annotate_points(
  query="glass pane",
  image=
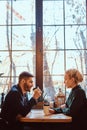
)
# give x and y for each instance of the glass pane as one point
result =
(5, 37)
(53, 37)
(53, 12)
(23, 39)
(5, 63)
(4, 12)
(20, 39)
(77, 59)
(4, 84)
(53, 62)
(23, 61)
(75, 37)
(52, 84)
(75, 11)
(24, 12)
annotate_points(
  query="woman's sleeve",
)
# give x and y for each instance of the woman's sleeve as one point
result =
(77, 104)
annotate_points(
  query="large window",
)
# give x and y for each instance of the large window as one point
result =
(17, 40)
(64, 41)
(44, 37)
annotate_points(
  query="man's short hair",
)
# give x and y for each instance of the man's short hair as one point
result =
(24, 75)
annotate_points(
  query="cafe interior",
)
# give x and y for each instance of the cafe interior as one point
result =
(25, 46)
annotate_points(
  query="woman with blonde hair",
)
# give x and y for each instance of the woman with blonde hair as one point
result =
(75, 103)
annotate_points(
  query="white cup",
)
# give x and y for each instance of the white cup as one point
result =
(46, 110)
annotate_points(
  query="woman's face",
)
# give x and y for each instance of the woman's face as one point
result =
(68, 81)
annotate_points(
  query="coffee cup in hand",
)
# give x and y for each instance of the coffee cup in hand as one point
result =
(37, 93)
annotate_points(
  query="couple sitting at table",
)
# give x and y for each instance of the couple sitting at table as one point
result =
(15, 107)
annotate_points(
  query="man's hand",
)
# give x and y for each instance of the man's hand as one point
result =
(37, 93)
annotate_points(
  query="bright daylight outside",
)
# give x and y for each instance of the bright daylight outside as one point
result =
(64, 42)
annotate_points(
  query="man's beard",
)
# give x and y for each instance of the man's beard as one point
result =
(26, 87)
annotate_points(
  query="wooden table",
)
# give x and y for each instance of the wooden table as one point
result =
(37, 120)
(38, 116)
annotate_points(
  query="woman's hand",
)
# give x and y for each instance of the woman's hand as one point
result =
(63, 106)
(51, 111)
